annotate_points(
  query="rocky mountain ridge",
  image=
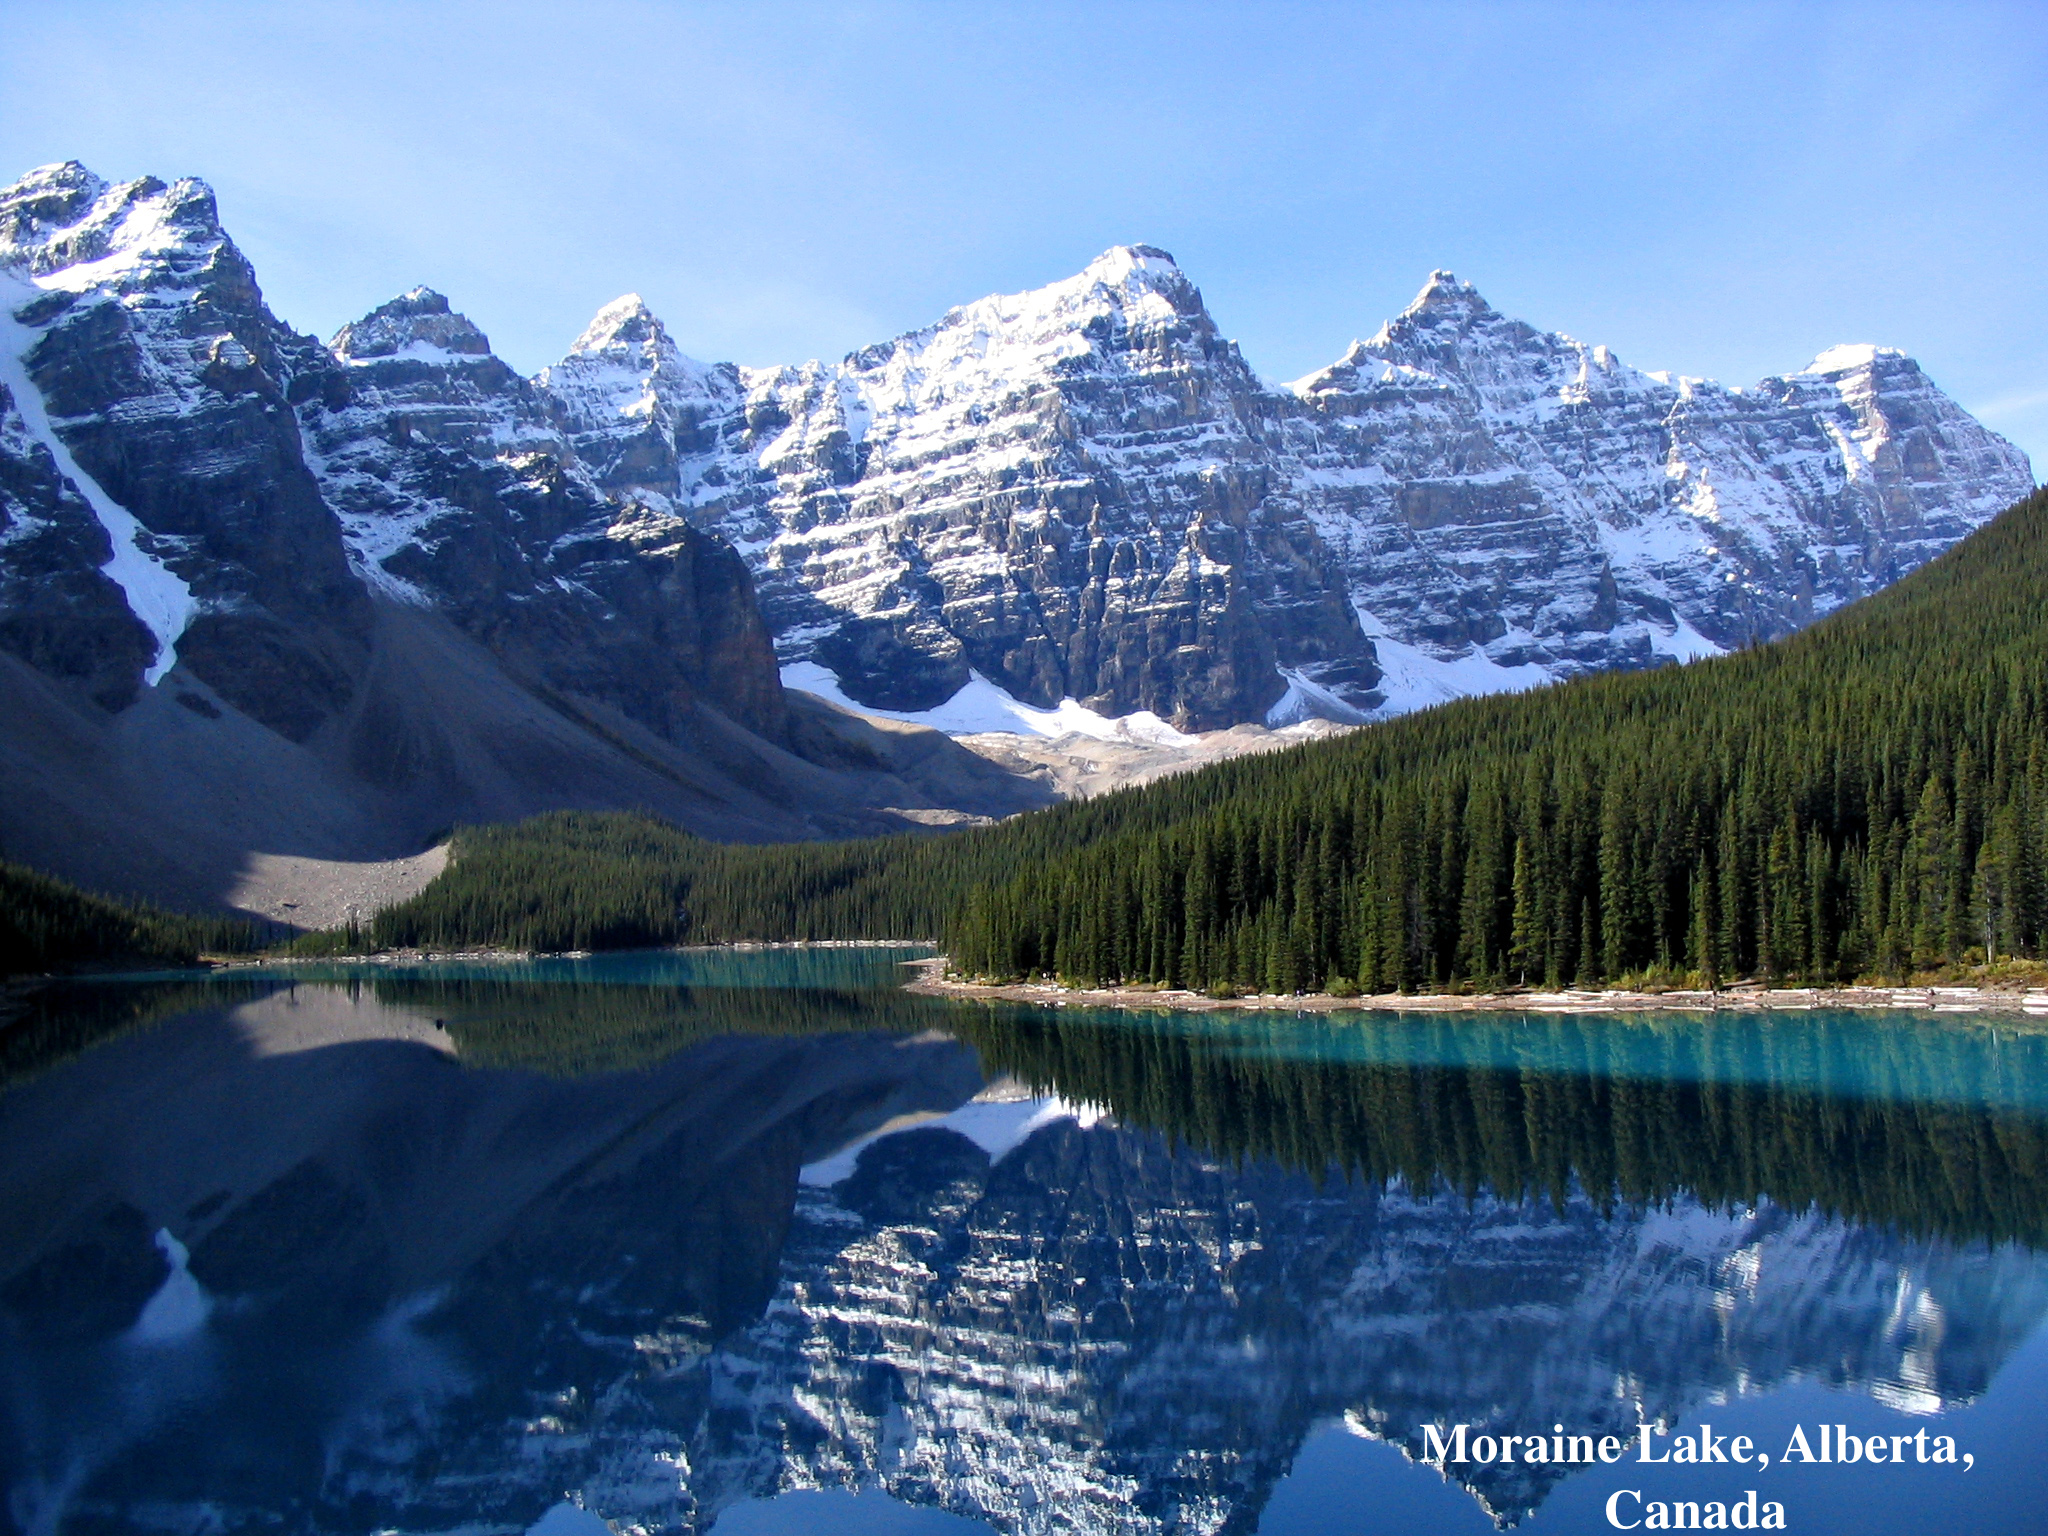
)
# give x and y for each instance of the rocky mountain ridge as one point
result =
(258, 593)
(261, 596)
(1084, 492)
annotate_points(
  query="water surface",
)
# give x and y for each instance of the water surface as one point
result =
(758, 1242)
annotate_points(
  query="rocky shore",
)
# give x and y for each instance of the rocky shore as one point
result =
(932, 981)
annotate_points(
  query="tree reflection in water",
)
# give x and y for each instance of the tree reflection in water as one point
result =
(466, 1245)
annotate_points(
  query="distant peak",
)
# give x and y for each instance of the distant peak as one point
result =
(626, 321)
(62, 215)
(419, 315)
(414, 301)
(1444, 292)
(1121, 261)
(1841, 359)
(62, 177)
(47, 199)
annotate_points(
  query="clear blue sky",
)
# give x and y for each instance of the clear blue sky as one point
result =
(1716, 189)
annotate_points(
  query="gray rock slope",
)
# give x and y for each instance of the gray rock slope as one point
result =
(258, 594)
(1084, 492)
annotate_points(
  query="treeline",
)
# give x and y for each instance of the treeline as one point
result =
(570, 1030)
(613, 880)
(49, 925)
(595, 880)
(1869, 796)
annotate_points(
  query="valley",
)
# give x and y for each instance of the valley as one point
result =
(272, 610)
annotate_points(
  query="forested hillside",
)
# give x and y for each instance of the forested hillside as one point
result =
(1866, 797)
(47, 925)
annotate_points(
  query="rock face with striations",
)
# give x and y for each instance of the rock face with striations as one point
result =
(1069, 491)
(264, 596)
(59, 610)
(1494, 491)
(144, 364)
(1084, 492)
(271, 485)
(455, 492)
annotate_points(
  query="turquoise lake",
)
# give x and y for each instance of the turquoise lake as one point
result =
(757, 1242)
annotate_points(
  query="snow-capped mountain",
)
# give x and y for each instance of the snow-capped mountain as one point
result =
(261, 594)
(257, 592)
(265, 486)
(151, 393)
(1084, 492)
(454, 492)
(1501, 498)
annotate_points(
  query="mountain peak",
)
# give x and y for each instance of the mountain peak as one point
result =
(64, 179)
(1444, 293)
(1841, 359)
(419, 317)
(48, 199)
(62, 216)
(1121, 262)
(626, 321)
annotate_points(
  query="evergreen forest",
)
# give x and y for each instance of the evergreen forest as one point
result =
(48, 925)
(1734, 1116)
(1868, 798)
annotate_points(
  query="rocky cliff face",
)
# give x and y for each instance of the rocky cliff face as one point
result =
(149, 373)
(1084, 492)
(1068, 491)
(260, 594)
(1520, 499)
(59, 609)
(454, 492)
(260, 487)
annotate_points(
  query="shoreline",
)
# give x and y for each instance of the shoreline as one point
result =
(2031, 1001)
(502, 956)
(931, 980)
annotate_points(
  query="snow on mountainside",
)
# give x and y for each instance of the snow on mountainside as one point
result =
(1082, 492)
(1056, 489)
(262, 598)
(1495, 492)
(1077, 503)
(159, 389)
(252, 484)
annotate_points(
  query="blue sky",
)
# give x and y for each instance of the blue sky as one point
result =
(1715, 189)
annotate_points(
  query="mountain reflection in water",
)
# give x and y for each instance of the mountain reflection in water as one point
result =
(435, 1250)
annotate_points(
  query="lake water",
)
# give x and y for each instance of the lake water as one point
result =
(662, 1242)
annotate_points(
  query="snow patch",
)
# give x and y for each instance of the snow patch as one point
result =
(179, 1307)
(981, 707)
(1309, 700)
(998, 1125)
(1849, 355)
(156, 594)
(417, 351)
(1685, 643)
(1413, 679)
